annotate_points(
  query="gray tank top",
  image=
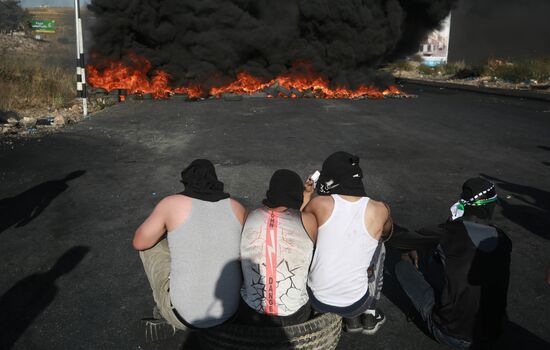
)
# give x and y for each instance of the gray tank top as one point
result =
(276, 252)
(205, 276)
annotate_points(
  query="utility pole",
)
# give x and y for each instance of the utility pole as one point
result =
(80, 62)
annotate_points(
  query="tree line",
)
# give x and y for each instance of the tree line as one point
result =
(13, 17)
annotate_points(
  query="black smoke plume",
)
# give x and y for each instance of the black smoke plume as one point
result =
(209, 41)
(500, 29)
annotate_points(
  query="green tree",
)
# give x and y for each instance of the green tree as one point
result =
(13, 17)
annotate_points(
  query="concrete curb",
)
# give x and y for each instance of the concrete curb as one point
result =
(533, 95)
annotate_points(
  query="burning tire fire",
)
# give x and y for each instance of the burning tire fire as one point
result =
(303, 83)
(287, 48)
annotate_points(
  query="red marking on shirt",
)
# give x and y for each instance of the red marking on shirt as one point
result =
(271, 264)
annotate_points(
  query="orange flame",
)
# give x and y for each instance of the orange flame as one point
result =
(137, 78)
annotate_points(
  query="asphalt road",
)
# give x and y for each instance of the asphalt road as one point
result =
(70, 202)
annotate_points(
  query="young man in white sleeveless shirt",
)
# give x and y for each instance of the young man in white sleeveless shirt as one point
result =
(189, 247)
(346, 274)
(276, 251)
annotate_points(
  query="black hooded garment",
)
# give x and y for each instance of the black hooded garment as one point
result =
(285, 189)
(201, 181)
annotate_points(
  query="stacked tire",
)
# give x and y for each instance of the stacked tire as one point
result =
(320, 333)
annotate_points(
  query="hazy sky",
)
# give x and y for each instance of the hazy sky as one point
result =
(32, 3)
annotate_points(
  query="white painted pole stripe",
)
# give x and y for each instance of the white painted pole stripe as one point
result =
(80, 67)
(81, 36)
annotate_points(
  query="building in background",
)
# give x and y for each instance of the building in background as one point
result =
(435, 49)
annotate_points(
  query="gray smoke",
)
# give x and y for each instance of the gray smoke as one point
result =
(209, 41)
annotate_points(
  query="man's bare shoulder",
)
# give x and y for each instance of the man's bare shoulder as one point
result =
(239, 210)
(307, 216)
(310, 224)
(236, 204)
(176, 200)
(378, 210)
(321, 207)
(321, 201)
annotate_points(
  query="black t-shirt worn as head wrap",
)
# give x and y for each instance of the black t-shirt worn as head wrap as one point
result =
(341, 174)
(201, 181)
(285, 190)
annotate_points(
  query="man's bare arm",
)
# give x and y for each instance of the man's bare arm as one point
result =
(152, 229)
(308, 193)
(387, 229)
(321, 207)
(239, 211)
(310, 224)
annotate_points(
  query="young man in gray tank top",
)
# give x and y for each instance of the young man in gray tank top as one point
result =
(276, 250)
(189, 247)
(347, 270)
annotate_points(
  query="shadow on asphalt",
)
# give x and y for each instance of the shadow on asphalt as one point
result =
(27, 206)
(545, 148)
(23, 302)
(191, 343)
(517, 337)
(533, 211)
(514, 337)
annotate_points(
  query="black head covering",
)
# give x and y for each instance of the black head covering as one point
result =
(201, 181)
(479, 198)
(285, 190)
(341, 174)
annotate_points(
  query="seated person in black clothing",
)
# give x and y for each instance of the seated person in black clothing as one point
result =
(470, 309)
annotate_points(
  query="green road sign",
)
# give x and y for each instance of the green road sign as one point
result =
(43, 25)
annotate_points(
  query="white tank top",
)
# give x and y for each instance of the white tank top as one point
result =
(344, 251)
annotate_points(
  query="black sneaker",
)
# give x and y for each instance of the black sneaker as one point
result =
(352, 325)
(157, 329)
(371, 324)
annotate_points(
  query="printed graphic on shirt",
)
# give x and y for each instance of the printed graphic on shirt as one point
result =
(266, 294)
(276, 252)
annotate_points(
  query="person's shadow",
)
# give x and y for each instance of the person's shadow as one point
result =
(492, 273)
(545, 148)
(23, 302)
(193, 340)
(230, 273)
(25, 207)
(533, 213)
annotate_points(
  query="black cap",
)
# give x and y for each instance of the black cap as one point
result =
(341, 174)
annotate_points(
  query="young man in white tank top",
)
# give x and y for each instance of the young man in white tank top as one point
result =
(189, 247)
(346, 274)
